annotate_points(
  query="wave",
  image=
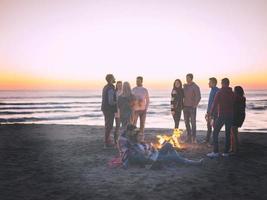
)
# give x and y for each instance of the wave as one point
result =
(36, 119)
(44, 103)
(260, 100)
(51, 97)
(29, 112)
(42, 107)
(92, 115)
(257, 107)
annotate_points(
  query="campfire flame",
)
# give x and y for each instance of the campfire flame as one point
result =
(172, 139)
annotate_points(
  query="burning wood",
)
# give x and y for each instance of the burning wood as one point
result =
(173, 139)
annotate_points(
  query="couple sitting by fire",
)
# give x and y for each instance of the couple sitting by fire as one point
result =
(134, 151)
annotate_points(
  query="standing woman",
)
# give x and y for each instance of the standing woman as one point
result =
(117, 114)
(239, 116)
(125, 105)
(177, 97)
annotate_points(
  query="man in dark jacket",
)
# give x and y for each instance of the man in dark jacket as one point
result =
(109, 107)
(224, 101)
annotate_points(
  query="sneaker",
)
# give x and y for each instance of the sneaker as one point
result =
(213, 155)
(225, 154)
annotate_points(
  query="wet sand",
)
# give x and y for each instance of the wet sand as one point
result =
(68, 162)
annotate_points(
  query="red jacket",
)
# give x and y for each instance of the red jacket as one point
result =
(224, 101)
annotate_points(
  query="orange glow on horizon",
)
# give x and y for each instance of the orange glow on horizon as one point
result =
(18, 81)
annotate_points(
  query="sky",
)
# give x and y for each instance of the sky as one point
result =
(56, 44)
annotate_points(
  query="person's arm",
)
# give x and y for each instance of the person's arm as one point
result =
(198, 96)
(209, 103)
(214, 104)
(172, 102)
(147, 99)
(111, 99)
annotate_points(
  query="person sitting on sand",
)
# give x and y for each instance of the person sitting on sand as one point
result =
(134, 152)
(239, 116)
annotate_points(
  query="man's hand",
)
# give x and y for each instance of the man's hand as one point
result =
(172, 113)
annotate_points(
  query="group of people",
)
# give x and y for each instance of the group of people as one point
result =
(126, 105)
(225, 107)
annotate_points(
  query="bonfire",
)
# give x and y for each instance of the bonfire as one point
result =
(173, 139)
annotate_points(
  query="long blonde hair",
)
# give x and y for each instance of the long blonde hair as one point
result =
(126, 89)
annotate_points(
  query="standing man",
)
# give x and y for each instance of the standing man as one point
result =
(141, 104)
(211, 119)
(109, 107)
(224, 102)
(192, 98)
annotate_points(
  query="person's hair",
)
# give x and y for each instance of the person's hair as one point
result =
(140, 77)
(226, 81)
(118, 82)
(109, 77)
(239, 91)
(126, 89)
(213, 80)
(174, 87)
(190, 76)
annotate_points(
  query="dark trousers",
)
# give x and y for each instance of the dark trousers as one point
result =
(190, 121)
(176, 118)
(117, 128)
(109, 119)
(125, 121)
(209, 127)
(222, 120)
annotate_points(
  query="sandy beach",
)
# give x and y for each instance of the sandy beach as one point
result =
(68, 162)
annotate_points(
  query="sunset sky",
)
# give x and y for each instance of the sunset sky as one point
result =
(53, 44)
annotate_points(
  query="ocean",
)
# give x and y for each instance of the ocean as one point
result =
(83, 108)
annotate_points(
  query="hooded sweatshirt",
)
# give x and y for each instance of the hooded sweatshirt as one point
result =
(224, 102)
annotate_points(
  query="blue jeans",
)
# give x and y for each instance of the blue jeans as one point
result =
(222, 120)
(190, 118)
(168, 154)
(209, 127)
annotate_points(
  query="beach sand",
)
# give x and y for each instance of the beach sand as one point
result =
(68, 162)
